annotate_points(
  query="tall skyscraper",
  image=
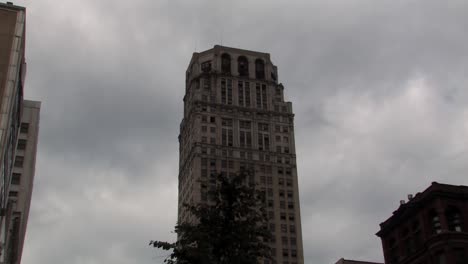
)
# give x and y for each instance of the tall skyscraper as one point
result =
(235, 118)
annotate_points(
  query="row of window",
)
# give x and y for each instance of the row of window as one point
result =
(248, 114)
(212, 151)
(283, 216)
(242, 66)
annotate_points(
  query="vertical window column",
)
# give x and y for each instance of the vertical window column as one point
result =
(227, 132)
(244, 93)
(226, 91)
(245, 134)
(261, 96)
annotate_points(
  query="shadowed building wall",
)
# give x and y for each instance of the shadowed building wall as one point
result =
(431, 228)
(12, 73)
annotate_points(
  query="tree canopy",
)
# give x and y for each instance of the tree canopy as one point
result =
(231, 228)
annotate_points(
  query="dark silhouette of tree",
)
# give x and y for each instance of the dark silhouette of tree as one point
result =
(231, 228)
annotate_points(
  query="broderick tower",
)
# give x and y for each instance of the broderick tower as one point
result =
(235, 118)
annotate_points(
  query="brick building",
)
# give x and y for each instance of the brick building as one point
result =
(430, 228)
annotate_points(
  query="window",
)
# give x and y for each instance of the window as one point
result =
(243, 66)
(283, 216)
(21, 144)
(244, 93)
(261, 96)
(206, 66)
(292, 229)
(226, 63)
(227, 132)
(282, 205)
(13, 194)
(281, 193)
(245, 134)
(226, 91)
(24, 128)
(453, 219)
(15, 179)
(293, 253)
(284, 228)
(285, 252)
(281, 181)
(19, 161)
(207, 84)
(259, 69)
(435, 221)
(293, 241)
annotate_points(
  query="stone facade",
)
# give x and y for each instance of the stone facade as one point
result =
(235, 118)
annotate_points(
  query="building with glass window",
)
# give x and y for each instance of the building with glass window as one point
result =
(12, 73)
(236, 118)
(430, 228)
(19, 121)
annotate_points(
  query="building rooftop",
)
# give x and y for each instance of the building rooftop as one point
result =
(416, 202)
(349, 261)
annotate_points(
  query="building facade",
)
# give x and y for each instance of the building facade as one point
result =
(22, 181)
(12, 74)
(236, 118)
(430, 228)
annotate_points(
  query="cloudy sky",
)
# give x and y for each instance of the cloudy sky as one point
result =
(378, 88)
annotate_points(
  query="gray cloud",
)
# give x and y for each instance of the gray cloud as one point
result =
(378, 89)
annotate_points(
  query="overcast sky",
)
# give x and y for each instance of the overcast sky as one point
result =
(379, 89)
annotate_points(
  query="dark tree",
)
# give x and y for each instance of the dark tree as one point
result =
(232, 228)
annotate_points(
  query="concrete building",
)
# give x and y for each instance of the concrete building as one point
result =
(348, 261)
(22, 180)
(12, 73)
(235, 118)
(430, 228)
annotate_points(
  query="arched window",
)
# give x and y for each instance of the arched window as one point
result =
(243, 66)
(226, 63)
(454, 220)
(435, 222)
(259, 69)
